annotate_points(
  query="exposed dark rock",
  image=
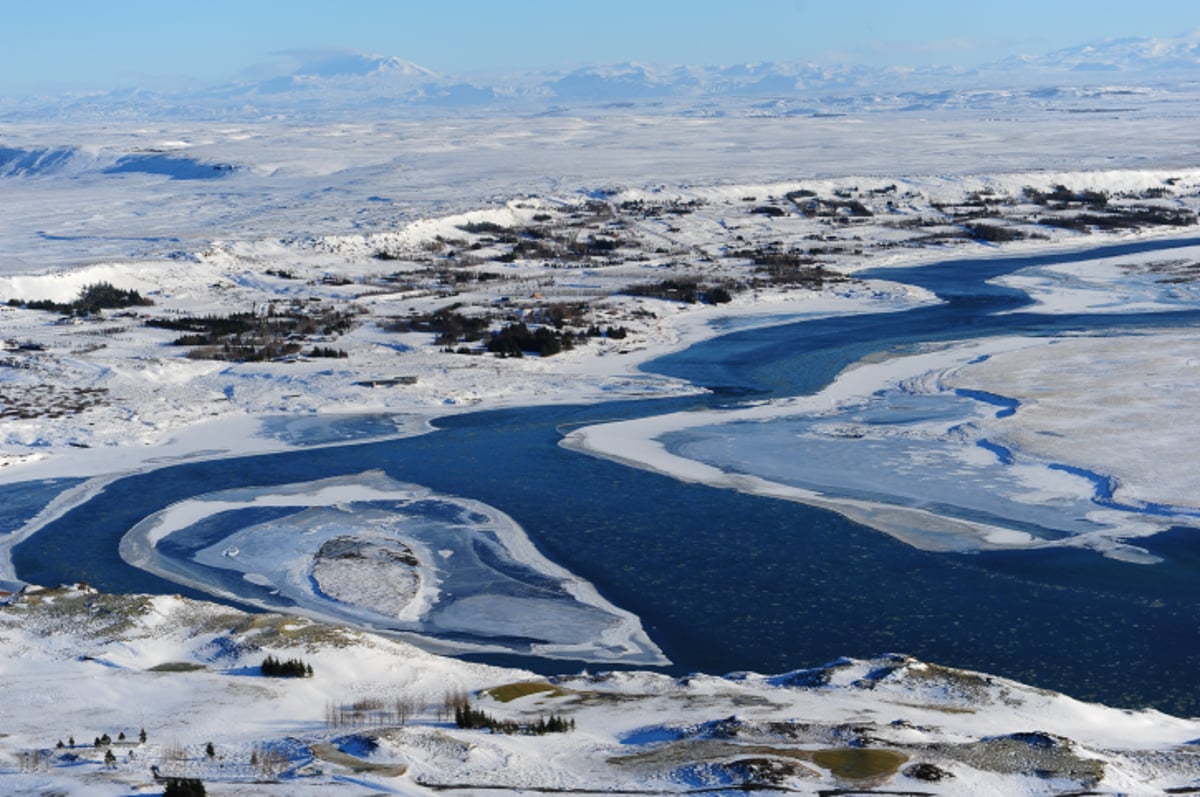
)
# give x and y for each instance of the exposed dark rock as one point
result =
(923, 770)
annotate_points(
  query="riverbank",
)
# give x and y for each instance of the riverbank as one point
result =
(164, 402)
(120, 389)
(163, 420)
(737, 566)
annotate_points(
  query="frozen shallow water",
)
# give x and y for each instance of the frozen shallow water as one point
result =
(897, 447)
(317, 430)
(1038, 433)
(900, 450)
(388, 555)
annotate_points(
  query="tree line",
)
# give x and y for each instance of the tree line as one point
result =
(292, 668)
(471, 718)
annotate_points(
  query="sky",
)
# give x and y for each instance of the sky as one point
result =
(63, 46)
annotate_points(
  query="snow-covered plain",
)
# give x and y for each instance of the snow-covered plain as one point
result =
(373, 218)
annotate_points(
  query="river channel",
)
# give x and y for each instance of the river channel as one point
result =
(724, 581)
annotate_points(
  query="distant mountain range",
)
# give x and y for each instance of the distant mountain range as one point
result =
(345, 80)
(1131, 55)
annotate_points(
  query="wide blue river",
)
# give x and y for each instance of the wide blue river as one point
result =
(725, 581)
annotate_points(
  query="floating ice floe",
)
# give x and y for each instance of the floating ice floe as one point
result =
(390, 556)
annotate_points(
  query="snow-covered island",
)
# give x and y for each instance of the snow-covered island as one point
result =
(185, 290)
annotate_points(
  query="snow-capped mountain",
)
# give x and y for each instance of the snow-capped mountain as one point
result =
(1128, 55)
(1140, 57)
(336, 64)
(345, 72)
(335, 81)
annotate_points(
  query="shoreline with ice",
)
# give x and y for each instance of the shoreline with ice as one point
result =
(164, 407)
(981, 364)
(588, 376)
(282, 555)
(325, 268)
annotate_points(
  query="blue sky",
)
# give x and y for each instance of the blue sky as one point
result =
(78, 45)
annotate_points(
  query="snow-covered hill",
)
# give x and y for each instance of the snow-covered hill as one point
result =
(103, 693)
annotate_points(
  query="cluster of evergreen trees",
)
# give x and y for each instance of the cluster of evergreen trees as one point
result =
(292, 668)
(184, 787)
(471, 718)
(253, 337)
(686, 290)
(514, 340)
(91, 300)
(614, 333)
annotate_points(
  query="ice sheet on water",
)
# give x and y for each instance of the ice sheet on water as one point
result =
(895, 451)
(375, 552)
(315, 430)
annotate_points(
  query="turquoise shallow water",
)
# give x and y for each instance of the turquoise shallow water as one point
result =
(725, 581)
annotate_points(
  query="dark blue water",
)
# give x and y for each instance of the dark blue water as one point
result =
(725, 581)
(803, 357)
(22, 502)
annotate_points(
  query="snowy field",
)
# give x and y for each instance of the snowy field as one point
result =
(353, 259)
